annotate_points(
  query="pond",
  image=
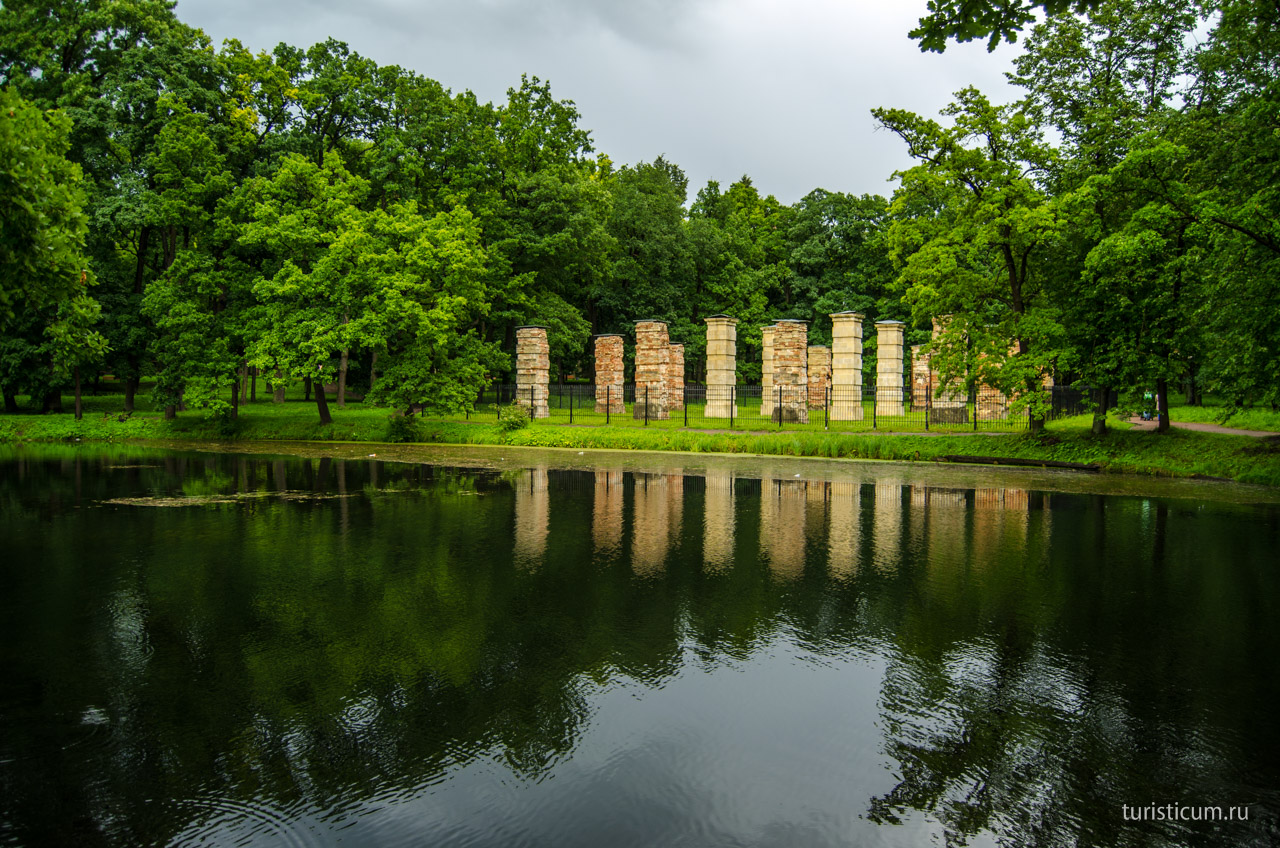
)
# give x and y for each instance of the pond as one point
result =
(520, 648)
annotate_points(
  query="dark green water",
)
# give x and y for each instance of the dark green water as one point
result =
(214, 649)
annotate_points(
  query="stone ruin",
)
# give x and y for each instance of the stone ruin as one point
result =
(533, 370)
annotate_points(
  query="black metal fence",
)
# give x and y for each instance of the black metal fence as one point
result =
(757, 408)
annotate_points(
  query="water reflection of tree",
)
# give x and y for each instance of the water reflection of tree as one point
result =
(1037, 689)
(289, 660)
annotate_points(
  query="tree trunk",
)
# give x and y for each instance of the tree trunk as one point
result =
(130, 389)
(1100, 398)
(322, 405)
(170, 412)
(277, 394)
(235, 397)
(253, 385)
(1036, 424)
(243, 381)
(52, 401)
(79, 405)
(1162, 405)
(342, 379)
(10, 401)
(373, 370)
(306, 388)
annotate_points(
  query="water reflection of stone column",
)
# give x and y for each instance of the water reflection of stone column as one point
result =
(819, 375)
(786, 551)
(887, 535)
(606, 513)
(889, 367)
(843, 536)
(791, 370)
(718, 521)
(653, 355)
(815, 513)
(650, 523)
(766, 372)
(533, 511)
(609, 375)
(533, 370)
(722, 366)
(1000, 518)
(675, 378)
(846, 366)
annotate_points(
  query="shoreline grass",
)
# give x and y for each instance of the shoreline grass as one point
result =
(1179, 453)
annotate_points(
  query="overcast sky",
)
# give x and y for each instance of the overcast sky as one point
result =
(779, 90)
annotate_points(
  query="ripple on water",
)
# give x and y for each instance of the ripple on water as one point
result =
(219, 820)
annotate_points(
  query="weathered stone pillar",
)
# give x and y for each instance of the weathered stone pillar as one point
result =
(790, 371)
(533, 370)
(767, 396)
(609, 375)
(722, 366)
(889, 368)
(948, 404)
(653, 354)
(846, 366)
(819, 375)
(675, 378)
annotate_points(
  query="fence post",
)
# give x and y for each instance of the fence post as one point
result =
(826, 409)
(733, 401)
(779, 406)
(608, 402)
(646, 404)
(975, 408)
(571, 403)
(875, 392)
(928, 399)
(684, 395)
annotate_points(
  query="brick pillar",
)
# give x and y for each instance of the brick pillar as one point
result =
(675, 378)
(609, 375)
(819, 375)
(950, 402)
(722, 366)
(533, 370)
(653, 354)
(790, 371)
(889, 368)
(846, 366)
(767, 395)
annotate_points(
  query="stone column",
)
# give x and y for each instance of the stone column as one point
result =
(846, 366)
(790, 371)
(675, 378)
(653, 354)
(533, 370)
(819, 375)
(722, 366)
(767, 396)
(889, 368)
(609, 375)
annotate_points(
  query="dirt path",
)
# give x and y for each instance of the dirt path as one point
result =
(1146, 426)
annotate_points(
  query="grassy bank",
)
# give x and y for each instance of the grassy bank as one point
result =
(1178, 453)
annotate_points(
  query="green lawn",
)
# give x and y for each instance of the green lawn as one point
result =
(1215, 410)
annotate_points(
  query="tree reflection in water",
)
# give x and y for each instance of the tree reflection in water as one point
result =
(309, 641)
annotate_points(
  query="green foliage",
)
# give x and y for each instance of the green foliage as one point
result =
(404, 428)
(42, 240)
(513, 417)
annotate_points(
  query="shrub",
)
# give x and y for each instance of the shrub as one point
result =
(404, 428)
(512, 418)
